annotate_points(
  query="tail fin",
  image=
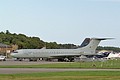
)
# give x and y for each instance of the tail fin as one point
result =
(89, 45)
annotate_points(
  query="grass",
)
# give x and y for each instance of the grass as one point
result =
(74, 75)
(110, 64)
(68, 75)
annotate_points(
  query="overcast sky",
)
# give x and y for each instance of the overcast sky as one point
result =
(63, 21)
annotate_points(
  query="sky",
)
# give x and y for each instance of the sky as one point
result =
(63, 21)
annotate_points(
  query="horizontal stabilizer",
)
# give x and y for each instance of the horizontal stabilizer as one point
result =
(102, 38)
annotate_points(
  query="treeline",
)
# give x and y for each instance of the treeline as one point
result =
(115, 49)
(25, 42)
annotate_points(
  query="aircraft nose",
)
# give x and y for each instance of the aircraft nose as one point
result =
(12, 54)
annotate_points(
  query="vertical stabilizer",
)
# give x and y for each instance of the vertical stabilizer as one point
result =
(89, 45)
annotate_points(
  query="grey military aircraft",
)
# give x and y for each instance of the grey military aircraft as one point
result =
(88, 47)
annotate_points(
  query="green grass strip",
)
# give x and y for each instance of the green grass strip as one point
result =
(110, 64)
(72, 75)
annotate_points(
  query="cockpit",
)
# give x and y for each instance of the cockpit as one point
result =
(15, 52)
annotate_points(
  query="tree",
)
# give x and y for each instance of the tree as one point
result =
(7, 32)
(0, 40)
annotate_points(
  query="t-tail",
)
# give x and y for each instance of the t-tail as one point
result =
(89, 45)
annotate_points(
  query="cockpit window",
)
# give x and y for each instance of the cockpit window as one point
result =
(15, 51)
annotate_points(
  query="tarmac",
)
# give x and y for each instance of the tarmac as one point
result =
(36, 70)
(25, 62)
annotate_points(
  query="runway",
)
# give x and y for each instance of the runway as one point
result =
(34, 70)
(11, 62)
